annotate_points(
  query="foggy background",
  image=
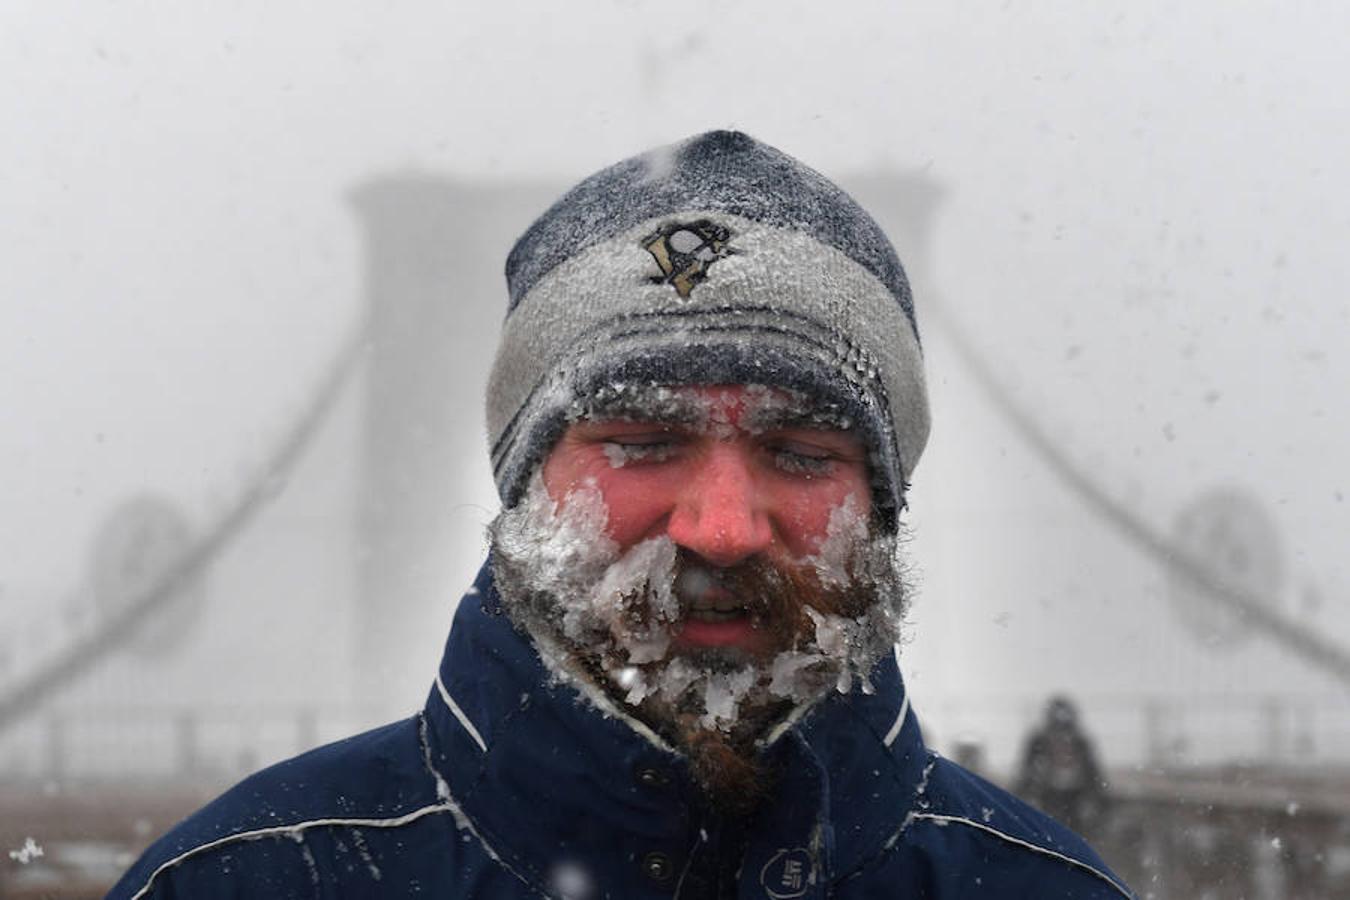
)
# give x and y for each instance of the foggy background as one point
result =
(1134, 214)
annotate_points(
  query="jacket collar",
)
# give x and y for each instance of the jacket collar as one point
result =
(553, 784)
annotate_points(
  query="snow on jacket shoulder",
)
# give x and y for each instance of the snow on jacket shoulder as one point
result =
(508, 784)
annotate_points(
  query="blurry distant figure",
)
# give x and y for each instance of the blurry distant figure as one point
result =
(1059, 771)
(969, 754)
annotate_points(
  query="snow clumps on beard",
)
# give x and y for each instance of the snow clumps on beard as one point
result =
(865, 596)
(560, 575)
(591, 609)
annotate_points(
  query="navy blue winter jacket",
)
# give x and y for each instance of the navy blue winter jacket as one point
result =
(509, 785)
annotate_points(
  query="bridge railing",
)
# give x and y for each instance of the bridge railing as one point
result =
(1143, 730)
(206, 744)
(131, 742)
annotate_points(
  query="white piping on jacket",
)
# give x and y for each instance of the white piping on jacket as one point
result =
(296, 828)
(556, 660)
(947, 820)
(899, 722)
(459, 714)
(782, 727)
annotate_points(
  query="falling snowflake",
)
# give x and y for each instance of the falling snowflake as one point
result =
(30, 851)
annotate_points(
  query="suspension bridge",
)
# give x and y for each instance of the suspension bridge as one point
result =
(429, 304)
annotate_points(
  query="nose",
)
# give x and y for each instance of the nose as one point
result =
(720, 513)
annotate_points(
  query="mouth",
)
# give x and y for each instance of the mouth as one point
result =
(712, 615)
(717, 605)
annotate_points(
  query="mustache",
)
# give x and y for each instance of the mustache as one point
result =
(774, 594)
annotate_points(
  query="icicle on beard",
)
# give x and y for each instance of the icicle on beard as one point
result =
(607, 621)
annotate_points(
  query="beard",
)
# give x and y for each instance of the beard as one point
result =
(609, 622)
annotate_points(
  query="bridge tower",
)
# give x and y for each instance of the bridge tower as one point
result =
(435, 248)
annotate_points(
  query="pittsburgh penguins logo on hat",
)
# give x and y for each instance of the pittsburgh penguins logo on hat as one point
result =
(685, 250)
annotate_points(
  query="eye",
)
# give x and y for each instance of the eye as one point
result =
(801, 459)
(630, 449)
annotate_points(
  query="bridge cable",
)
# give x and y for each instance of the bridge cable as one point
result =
(91, 649)
(1292, 636)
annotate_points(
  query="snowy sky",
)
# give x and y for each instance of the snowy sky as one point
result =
(1143, 222)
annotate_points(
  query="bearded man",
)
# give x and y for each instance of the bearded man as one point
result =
(675, 675)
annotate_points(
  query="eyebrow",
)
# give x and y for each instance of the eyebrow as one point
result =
(827, 416)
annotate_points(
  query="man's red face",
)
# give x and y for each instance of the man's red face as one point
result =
(728, 486)
(705, 557)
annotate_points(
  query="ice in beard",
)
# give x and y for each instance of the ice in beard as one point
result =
(570, 575)
(583, 601)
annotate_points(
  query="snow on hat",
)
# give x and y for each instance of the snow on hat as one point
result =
(718, 260)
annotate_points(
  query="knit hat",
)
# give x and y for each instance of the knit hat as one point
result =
(718, 260)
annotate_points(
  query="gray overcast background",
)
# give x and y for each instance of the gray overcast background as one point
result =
(1142, 226)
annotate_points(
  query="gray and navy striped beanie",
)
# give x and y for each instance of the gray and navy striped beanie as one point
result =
(718, 260)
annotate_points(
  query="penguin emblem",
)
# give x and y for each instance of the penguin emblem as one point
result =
(685, 251)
